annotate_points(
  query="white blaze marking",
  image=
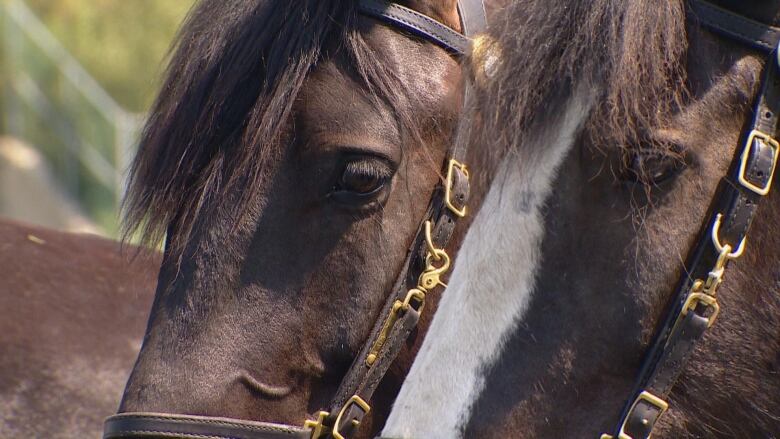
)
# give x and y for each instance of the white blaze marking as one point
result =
(489, 291)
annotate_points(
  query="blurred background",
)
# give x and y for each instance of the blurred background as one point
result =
(76, 78)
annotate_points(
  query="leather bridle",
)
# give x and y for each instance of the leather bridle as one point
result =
(694, 307)
(425, 264)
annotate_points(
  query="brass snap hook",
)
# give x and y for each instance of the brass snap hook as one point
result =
(432, 250)
(431, 277)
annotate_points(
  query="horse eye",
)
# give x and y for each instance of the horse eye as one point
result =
(652, 167)
(362, 178)
(362, 181)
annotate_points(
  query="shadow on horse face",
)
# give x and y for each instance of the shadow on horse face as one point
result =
(259, 314)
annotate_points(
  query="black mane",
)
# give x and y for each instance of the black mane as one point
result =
(236, 69)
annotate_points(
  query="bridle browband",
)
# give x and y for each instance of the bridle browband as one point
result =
(694, 307)
(425, 264)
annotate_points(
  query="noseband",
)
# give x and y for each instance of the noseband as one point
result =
(694, 307)
(425, 264)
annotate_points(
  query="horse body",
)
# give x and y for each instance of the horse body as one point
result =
(73, 313)
(672, 97)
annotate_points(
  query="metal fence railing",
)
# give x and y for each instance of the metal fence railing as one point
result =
(50, 101)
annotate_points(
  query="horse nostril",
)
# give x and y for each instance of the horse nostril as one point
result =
(266, 390)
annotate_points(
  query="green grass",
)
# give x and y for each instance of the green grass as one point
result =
(122, 43)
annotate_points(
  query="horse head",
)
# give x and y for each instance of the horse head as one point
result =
(300, 162)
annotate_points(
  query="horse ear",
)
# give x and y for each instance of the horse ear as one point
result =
(444, 11)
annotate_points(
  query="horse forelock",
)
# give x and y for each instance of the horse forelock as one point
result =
(233, 78)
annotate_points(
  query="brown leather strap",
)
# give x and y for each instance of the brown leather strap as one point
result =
(158, 425)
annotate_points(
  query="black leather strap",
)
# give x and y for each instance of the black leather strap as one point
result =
(157, 425)
(736, 27)
(693, 307)
(417, 23)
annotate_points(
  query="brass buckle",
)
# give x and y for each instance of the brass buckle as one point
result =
(395, 311)
(355, 400)
(317, 427)
(755, 134)
(659, 403)
(696, 298)
(449, 184)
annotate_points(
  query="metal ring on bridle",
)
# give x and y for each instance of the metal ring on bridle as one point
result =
(720, 247)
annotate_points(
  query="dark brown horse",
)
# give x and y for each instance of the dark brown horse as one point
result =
(289, 161)
(72, 311)
(617, 121)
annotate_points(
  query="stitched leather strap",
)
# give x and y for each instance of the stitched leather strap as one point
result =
(736, 27)
(416, 23)
(158, 425)
(693, 308)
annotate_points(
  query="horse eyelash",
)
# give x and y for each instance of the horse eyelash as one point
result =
(368, 167)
